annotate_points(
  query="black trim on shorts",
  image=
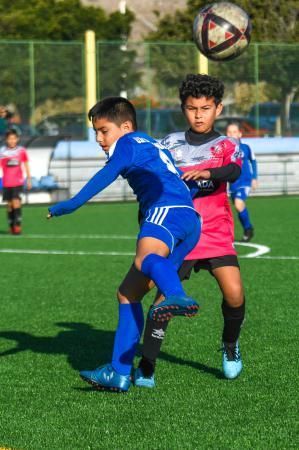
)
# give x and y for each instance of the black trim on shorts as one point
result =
(206, 264)
(10, 193)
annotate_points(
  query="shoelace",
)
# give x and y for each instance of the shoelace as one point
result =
(232, 354)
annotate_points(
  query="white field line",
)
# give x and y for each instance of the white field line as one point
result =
(79, 253)
(62, 252)
(69, 236)
(260, 250)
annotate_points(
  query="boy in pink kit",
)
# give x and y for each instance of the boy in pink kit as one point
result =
(213, 161)
(13, 162)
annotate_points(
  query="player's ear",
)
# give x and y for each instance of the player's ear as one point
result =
(219, 109)
(127, 126)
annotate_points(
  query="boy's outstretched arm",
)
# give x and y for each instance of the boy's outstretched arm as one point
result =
(96, 184)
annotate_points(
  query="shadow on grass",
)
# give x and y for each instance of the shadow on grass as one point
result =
(84, 346)
(194, 364)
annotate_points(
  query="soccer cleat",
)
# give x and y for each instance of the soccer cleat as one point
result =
(231, 360)
(16, 229)
(141, 381)
(107, 379)
(174, 305)
(248, 235)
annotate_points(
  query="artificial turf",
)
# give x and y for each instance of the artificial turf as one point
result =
(58, 314)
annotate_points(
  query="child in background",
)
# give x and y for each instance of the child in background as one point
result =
(240, 188)
(13, 162)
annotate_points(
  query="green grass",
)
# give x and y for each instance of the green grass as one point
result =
(58, 314)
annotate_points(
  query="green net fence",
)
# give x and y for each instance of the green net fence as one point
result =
(43, 84)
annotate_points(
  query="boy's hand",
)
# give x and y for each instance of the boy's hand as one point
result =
(28, 185)
(196, 175)
(49, 216)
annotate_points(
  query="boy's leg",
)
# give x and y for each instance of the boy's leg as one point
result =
(116, 376)
(243, 214)
(16, 215)
(10, 216)
(154, 335)
(154, 246)
(233, 310)
(130, 324)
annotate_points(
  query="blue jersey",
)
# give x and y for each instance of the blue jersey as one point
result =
(249, 168)
(149, 169)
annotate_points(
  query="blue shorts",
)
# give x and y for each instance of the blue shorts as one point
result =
(241, 193)
(178, 227)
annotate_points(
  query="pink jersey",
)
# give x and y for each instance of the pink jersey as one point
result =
(11, 163)
(217, 236)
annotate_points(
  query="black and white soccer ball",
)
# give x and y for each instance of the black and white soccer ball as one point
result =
(222, 31)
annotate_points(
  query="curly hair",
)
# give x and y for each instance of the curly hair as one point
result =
(201, 86)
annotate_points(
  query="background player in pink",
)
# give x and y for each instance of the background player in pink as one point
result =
(13, 162)
(213, 161)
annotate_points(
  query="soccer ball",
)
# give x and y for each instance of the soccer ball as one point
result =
(221, 31)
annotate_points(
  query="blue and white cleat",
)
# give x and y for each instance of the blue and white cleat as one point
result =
(231, 360)
(107, 379)
(174, 305)
(141, 381)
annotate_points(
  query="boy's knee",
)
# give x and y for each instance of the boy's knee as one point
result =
(138, 262)
(239, 205)
(235, 297)
(121, 297)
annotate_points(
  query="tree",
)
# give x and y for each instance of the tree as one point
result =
(53, 69)
(63, 20)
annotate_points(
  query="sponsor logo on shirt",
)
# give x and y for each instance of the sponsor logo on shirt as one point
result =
(207, 187)
(12, 163)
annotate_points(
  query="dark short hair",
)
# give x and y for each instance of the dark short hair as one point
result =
(115, 109)
(11, 131)
(236, 124)
(201, 86)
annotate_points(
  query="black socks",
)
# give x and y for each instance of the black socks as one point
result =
(152, 341)
(233, 319)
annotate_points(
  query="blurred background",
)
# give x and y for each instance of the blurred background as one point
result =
(143, 50)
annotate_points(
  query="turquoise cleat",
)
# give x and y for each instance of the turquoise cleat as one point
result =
(141, 381)
(107, 379)
(174, 305)
(231, 360)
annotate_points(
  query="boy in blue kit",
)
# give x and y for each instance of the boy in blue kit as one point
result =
(240, 189)
(168, 232)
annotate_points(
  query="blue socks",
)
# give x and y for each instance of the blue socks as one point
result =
(131, 321)
(164, 274)
(127, 336)
(244, 219)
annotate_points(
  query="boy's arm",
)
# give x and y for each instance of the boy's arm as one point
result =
(96, 184)
(28, 175)
(253, 163)
(229, 173)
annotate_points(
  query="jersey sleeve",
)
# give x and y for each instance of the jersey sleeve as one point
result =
(252, 159)
(232, 153)
(165, 142)
(24, 155)
(115, 166)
